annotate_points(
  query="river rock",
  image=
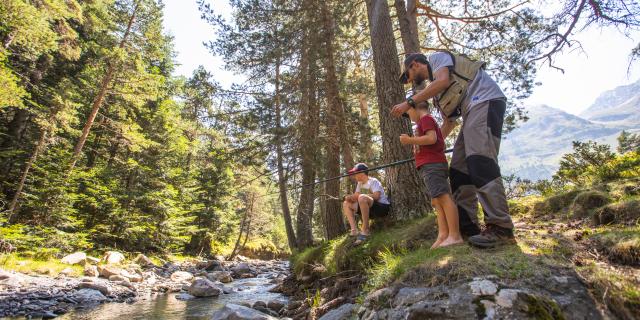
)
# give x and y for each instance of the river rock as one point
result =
(180, 276)
(133, 277)
(275, 305)
(75, 258)
(89, 295)
(506, 297)
(241, 268)
(67, 271)
(483, 287)
(144, 261)
(108, 271)
(91, 271)
(117, 277)
(4, 274)
(237, 312)
(184, 297)
(222, 276)
(92, 260)
(102, 288)
(409, 296)
(343, 312)
(112, 257)
(204, 288)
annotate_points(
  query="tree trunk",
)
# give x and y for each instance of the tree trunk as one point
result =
(97, 101)
(25, 172)
(309, 118)
(408, 25)
(247, 213)
(405, 187)
(282, 181)
(333, 222)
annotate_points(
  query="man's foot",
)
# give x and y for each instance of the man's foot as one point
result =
(354, 233)
(469, 230)
(493, 236)
(451, 242)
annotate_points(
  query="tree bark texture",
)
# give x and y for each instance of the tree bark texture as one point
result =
(333, 222)
(405, 187)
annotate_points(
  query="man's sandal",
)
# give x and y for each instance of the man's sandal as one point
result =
(361, 238)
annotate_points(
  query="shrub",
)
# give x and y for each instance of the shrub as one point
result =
(587, 201)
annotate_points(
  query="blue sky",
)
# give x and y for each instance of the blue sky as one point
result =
(602, 66)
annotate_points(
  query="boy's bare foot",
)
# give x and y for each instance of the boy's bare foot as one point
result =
(438, 242)
(450, 242)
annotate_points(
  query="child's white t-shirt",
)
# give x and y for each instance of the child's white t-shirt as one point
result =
(373, 185)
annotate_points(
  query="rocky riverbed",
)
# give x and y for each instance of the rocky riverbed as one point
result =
(35, 296)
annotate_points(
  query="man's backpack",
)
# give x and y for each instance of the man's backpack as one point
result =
(463, 72)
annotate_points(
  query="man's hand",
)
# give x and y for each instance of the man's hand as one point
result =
(399, 109)
(405, 139)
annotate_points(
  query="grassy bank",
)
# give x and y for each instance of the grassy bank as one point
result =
(594, 232)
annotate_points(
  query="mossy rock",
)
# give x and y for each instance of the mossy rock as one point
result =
(539, 307)
(626, 212)
(587, 201)
(555, 204)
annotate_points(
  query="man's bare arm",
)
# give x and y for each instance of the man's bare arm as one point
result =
(439, 84)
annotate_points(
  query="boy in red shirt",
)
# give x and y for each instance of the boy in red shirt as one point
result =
(433, 167)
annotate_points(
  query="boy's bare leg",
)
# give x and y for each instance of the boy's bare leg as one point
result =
(443, 230)
(349, 212)
(451, 214)
(365, 202)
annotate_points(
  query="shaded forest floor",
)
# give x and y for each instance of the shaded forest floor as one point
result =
(577, 256)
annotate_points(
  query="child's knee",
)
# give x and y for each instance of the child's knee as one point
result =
(363, 199)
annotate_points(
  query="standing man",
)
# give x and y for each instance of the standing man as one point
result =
(474, 171)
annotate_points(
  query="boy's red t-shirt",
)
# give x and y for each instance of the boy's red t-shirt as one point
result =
(433, 153)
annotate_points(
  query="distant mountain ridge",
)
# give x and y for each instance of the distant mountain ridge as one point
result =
(534, 149)
(620, 106)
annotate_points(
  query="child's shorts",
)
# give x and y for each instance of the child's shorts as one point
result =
(436, 177)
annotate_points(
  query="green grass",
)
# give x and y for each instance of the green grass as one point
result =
(620, 292)
(532, 256)
(27, 265)
(340, 255)
(620, 244)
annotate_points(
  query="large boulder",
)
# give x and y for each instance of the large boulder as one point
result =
(91, 271)
(144, 261)
(113, 257)
(222, 276)
(181, 276)
(243, 270)
(4, 274)
(93, 260)
(75, 258)
(108, 271)
(89, 295)
(204, 288)
(132, 276)
(102, 288)
(237, 312)
(343, 312)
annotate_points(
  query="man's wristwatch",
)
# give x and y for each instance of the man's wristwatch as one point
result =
(411, 103)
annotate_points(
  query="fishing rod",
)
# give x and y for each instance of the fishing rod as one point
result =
(354, 173)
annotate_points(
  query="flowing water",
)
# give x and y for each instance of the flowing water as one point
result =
(166, 306)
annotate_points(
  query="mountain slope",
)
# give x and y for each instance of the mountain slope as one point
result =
(534, 149)
(620, 106)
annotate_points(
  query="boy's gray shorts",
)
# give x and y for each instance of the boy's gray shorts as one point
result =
(436, 177)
